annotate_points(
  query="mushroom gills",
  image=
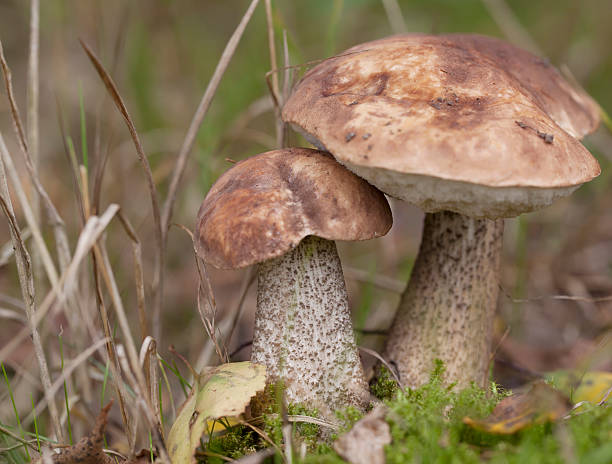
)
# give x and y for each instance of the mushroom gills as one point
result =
(303, 330)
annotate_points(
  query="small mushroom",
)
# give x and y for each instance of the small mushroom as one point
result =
(471, 129)
(282, 210)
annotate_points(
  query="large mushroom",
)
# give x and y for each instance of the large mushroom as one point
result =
(283, 210)
(469, 128)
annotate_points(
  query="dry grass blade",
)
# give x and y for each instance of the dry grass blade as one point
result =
(390, 368)
(207, 306)
(32, 108)
(236, 311)
(29, 214)
(511, 27)
(89, 235)
(8, 84)
(67, 371)
(159, 234)
(26, 282)
(381, 281)
(61, 239)
(138, 274)
(200, 113)
(132, 368)
(395, 16)
(148, 360)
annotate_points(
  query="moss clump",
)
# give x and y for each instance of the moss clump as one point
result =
(427, 427)
(384, 385)
(234, 442)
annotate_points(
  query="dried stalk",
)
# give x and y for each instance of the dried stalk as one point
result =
(138, 274)
(90, 233)
(159, 234)
(26, 282)
(199, 115)
(61, 239)
(394, 16)
(32, 109)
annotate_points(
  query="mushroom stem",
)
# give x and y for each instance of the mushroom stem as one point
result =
(303, 331)
(448, 308)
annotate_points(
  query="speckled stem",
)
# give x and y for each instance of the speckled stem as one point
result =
(448, 308)
(303, 330)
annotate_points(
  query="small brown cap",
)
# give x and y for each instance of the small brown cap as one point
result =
(461, 108)
(265, 205)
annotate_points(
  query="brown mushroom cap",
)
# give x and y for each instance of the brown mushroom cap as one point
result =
(265, 205)
(460, 122)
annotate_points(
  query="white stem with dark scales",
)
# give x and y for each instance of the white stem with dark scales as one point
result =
(303, 331)
(448, 308)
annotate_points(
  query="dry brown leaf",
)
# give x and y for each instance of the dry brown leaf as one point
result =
(365, 442)
(88, 450)
(540, 404)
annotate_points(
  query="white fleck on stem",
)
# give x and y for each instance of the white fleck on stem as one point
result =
(448, 308)
(303, 330)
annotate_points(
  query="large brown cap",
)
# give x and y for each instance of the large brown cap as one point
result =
(265, 205)
(461, 108)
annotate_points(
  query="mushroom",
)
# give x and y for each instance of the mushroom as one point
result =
(283, 210)
(472, 130)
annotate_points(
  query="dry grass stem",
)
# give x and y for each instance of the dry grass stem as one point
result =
(26, 282)
(32, 116)
(510, 26)
(199, 115)
(236, 312)
(61, 239)
(395, 16)
(392, 369)
(66, 373)
(381, 281)
(159, 234)
(89, 235)
(138, 274)
(29, 214)
(134, 371)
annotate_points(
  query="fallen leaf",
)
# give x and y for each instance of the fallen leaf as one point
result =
(365, 442)
(223, 391)
(590, 386)
(88, 450)
(540, 404)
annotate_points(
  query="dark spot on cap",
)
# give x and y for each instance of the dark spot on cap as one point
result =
(548, 138)
(350, 136)
(366, 136)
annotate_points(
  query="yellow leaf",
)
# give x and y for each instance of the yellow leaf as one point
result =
(541, 403)
(591, 386)
(223, 391)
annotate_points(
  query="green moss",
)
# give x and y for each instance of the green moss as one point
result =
(384, 386)
(234, 443)
(427, 426)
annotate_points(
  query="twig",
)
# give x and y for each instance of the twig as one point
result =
(199, 115)
(159, 234)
